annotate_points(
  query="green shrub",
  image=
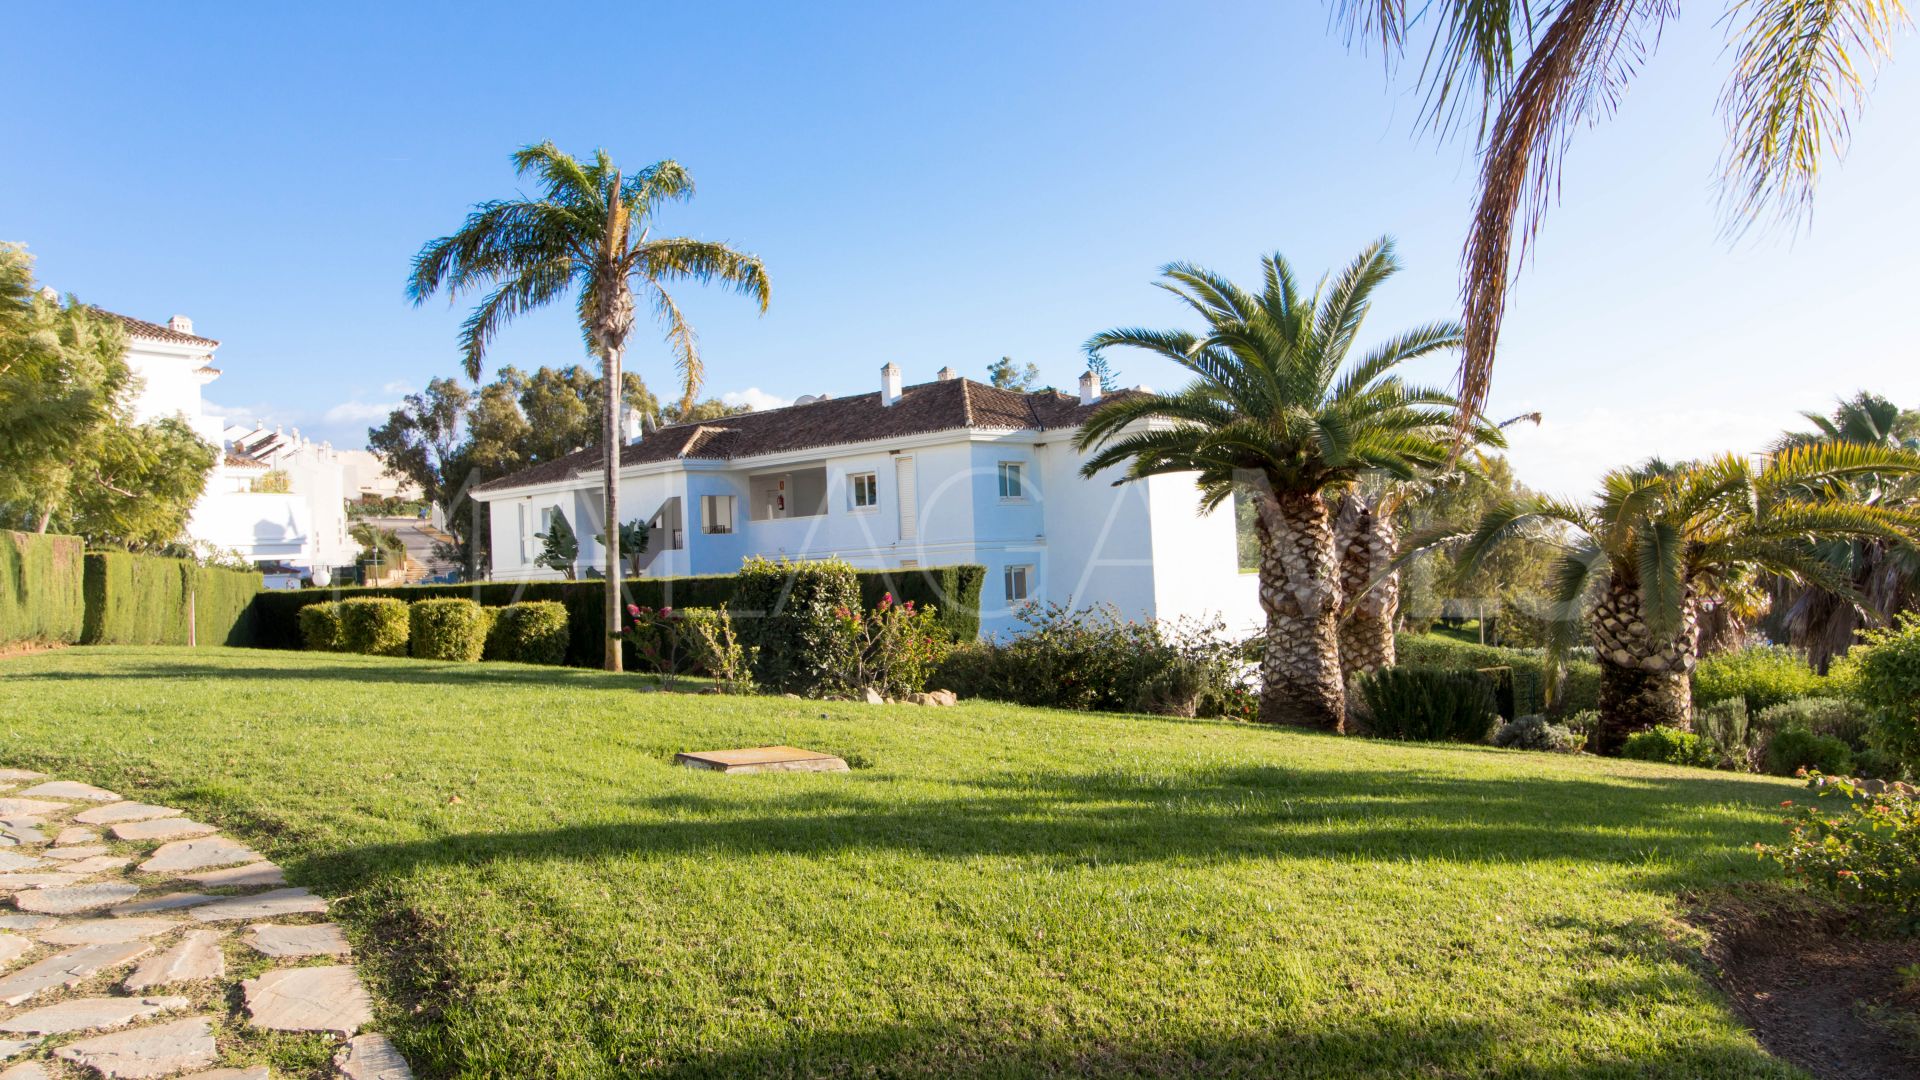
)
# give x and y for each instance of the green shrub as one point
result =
(1670, 745)
(1886, 675)
(717, 651)
(1861, 849)
(447, 629)
(1843, 718)
(42, 596)
(1795, 748)
(1095, 660)
(373, 626)
(1538, 733)
(1579, 685)
(532, 632)
(1729, 731)
(1429, 705)
(786, 614)
(320, 627)
(1763, 676)
(891, 649)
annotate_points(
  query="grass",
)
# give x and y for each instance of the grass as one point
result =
(534, 890)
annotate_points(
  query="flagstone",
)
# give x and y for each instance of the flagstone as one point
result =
(197, 956)
(69, 854)
(101, 931)
(69, 968)
(45, 879)
(159, 1050)
(76, 834)
(16, 808)
(198, 855)
(173, 901)
(88, 1014)
(257, 1072)
(21, 774)
(70, 789)
(97, 864)
(266, 905)
(75, 898)
(26, 1070)
(124, 811)
(371, 1057)
(260, 873)
(309, 999)
(13, 947)
(161, 829)
(21, 830)
(26, 922)
(313, 939)
(11, 861)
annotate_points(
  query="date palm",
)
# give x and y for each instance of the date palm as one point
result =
(1539, 69)
(1636, 565)
(1276, 412)
(589, 233)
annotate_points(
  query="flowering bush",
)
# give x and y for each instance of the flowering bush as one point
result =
(891, 649)
(1856, 844)
(659, 640)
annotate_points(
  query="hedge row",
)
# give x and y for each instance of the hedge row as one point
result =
(1526, 672)
(146, 600)
(41, 598)
(953, 590)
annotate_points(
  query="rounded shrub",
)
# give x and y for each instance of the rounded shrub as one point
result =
(448, 629)
(1843, 718)
(1795, 748)
(1886, 676)
(533, 632)
(1669, 745)
(1426, 705)
(320, 627)
(374, 625)
(1538, 733)
(1763, 676)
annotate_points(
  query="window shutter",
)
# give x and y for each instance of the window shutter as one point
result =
(905, 481)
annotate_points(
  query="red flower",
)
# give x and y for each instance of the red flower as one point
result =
(634, 610)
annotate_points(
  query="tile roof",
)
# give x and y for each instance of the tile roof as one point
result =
(242, 461)
(923, 408)
(141, 328)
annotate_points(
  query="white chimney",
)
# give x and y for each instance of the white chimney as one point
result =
(890, 384)
(946, 375)
(180, 324)
(49, 295)
(1089, 388)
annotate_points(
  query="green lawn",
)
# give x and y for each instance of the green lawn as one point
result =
(536, 891)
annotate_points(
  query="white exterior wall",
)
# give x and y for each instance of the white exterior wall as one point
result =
(169, 381)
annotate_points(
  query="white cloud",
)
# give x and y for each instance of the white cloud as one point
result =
(1567, 456)
(359, 412)
(397, 388)
(755, 398)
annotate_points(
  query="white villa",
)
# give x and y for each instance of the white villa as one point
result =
(277, 499)
(934, 474)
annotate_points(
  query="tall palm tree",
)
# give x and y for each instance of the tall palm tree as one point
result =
(1272, 414)
(1539, 69)
(1885, 577)
(1660, 540)
(590, 231)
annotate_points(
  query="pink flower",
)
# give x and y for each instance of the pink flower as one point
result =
(665, 612)
(634, 610)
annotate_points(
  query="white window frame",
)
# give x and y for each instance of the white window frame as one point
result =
(1018, 471)
(708, 503)
(869, 480)
(1024, 574)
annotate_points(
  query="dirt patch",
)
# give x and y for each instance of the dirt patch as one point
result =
(1821, 986)
(27, 648)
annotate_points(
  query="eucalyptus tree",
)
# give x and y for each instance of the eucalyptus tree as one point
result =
(1537, 70)
(1636, 565)
(588, 233)
(1276, 412)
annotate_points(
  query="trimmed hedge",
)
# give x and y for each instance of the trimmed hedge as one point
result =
(448, 629)
(533, 632)
(374, 626)
(1526, 695)
(320, 627)
(954, 592)
(146, 600)
(42, 597)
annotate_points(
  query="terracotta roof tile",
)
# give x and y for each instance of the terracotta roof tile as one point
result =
(923, 408)
(141, 328)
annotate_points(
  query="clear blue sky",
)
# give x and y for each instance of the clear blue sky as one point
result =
(929, 187)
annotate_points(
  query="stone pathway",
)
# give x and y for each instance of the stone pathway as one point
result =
(119, 916)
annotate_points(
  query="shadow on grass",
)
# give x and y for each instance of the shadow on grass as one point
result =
(351, 669)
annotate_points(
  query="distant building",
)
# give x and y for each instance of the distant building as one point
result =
(943, 472)
(367, 476)
(277, 499)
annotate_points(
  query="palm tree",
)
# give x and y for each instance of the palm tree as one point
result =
(1885, 577)
(589, 231)
(1660, 540)
(1272, 415)
(1539, 70)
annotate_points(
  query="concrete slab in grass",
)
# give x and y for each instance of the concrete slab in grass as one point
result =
(761, 759)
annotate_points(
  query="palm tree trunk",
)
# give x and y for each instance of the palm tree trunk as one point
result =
(1300, 680)
(1368, 542)
(1645, 676)
(610, 481)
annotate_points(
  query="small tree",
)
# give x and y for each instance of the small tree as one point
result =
(1007, 375)
(558, 547)
(633, 543)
